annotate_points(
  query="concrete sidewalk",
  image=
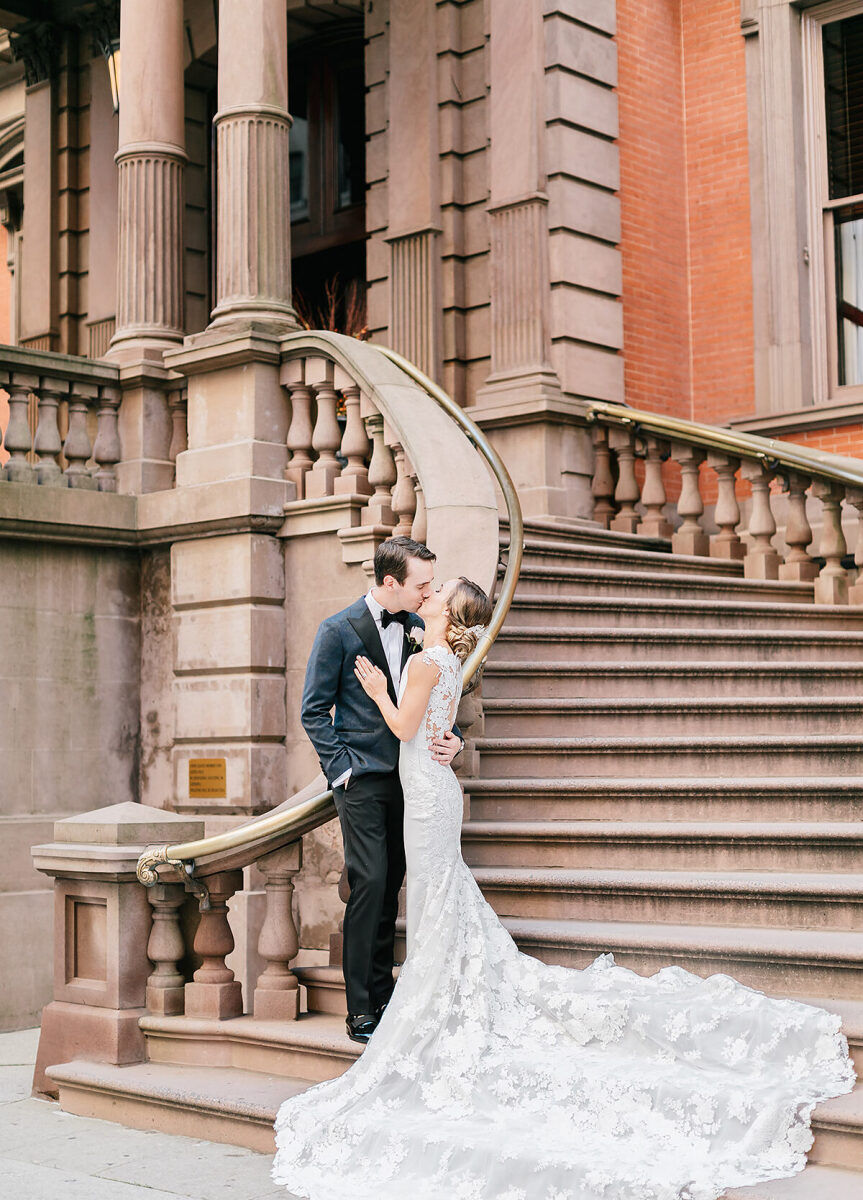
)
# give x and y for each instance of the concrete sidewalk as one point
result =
(46, 1154)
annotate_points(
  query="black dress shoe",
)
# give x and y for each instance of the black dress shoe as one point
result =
(379, 1011)
(361, 1026)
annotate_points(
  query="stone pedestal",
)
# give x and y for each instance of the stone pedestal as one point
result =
(102, 922)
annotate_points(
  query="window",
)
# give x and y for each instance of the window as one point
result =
(833, 41)
(327, 155)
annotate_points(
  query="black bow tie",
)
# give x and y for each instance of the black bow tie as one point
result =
(387, 618)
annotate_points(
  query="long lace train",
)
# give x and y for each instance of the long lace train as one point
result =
(493, 1076)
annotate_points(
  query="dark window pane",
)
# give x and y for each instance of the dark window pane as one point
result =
(298, 105)
(843, 97)
(350, 133)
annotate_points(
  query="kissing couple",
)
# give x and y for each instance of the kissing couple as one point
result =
(486, 1073)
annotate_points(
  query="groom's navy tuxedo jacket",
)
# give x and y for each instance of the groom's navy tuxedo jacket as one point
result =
(358, 737)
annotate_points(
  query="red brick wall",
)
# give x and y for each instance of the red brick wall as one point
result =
(687, 272)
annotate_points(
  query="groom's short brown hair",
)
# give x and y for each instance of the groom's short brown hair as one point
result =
(391, 557)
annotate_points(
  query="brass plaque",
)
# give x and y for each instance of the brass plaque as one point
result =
(208, 779)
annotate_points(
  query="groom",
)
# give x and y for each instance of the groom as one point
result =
(359, 756)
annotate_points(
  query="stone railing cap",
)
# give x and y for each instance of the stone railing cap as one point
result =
(127, 824)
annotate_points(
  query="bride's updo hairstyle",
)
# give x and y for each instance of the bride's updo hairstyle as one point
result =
(469, 612)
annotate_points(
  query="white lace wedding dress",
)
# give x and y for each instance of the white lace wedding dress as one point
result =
(493, 1076)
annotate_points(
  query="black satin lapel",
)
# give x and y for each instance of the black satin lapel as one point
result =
(367, 631)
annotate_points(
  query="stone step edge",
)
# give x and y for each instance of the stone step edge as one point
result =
(815, 1182)
(779, 884)
(157, 1083)
(699, 579)
(637, 633)
(695, 704)
(748, 785)
(327, 1037)
(707, 743)
(661, 604)
(497, 666)
(807, 832)
(718, 568)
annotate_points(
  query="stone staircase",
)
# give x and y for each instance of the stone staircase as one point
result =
(671, 771)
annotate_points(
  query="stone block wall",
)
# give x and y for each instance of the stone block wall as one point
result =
(69, 734)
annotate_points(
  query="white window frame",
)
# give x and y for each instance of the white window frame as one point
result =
(825, 350)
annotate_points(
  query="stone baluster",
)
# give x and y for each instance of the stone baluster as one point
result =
(213, 991)
(107, 450)
(299, 437)
(354, 478)
(47, 442)
(404, 496)
(165, 949)
(19, 439)
(798, 532)
(77, 448)
(854, 496)
(831, 585)
(382, 475)
(277, 994)
(178, 405)
(627, 492)
(602, 485)
(690, 538)
(726, 543)
(654, 523)
(761, 561)
(419, 529)
(327, 435)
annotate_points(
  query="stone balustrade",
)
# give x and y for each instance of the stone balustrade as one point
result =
(63, 428)
(343, 456)
(631, 494)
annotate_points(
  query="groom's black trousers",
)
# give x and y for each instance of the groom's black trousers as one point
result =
(371, 814)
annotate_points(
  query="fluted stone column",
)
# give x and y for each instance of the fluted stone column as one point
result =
(253, 250)
(151, 158)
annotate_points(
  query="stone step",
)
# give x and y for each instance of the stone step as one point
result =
(665, 757)
(670, 584)
(221, 1104)
(653, 612)
(693, 798)
(563, 530)
(313, 1048)
(665, 845)
(788, 962)
(238, 1107)
(325, 989)
(556, 717)
(768, 900)
(575, 551)
(813, 1183)
(505, 677)
(535, 643)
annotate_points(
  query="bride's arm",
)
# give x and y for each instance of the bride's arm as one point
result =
(405, 719)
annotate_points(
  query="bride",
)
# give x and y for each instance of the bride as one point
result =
(493, 1076)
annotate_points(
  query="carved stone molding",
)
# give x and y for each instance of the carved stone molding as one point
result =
(37, 46)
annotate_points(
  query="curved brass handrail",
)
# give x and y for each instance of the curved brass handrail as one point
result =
(182, 856)
(820, 463)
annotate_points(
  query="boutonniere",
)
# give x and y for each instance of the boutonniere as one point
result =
(415, 639)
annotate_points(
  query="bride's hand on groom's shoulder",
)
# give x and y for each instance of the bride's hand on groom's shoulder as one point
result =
(372, 679)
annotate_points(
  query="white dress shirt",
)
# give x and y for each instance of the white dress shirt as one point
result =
(392, 640)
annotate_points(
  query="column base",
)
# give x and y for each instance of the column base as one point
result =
(166, 1002)
(803, 572)
(689, 543)
(831, 589)
(761, 566)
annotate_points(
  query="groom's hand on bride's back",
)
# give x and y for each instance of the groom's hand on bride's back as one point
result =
(444, 749)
